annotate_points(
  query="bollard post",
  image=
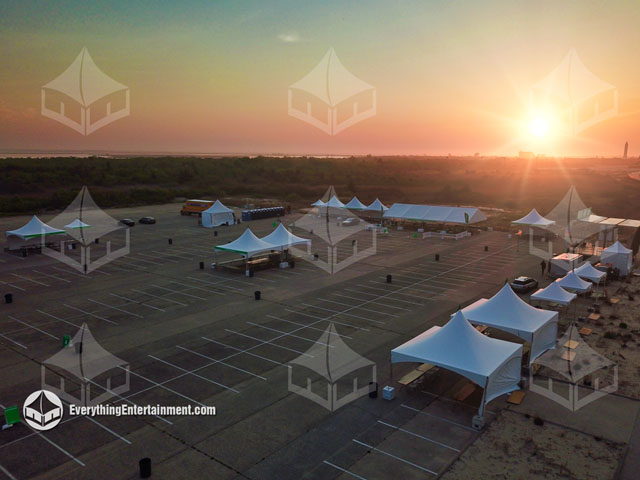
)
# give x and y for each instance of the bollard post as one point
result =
(8, 298)
(145, 467)
(171, 241)
(486, 248)
(437, 257)
(389, 278)
(256, 294)
(201, 265)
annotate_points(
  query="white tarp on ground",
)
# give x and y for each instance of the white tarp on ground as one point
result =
(435, 213)
(571, 281)
(32, 233)
(587, 271)
(493, 364)
(619, 256)
(356, 204)
(283, 238)
(377, 205)
(247, 245)
(216, 215)
(554, 293)
(533, 219)
(507, 311)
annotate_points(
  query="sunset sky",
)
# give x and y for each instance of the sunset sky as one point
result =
(212, 77)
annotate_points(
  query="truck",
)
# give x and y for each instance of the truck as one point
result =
(191, 207)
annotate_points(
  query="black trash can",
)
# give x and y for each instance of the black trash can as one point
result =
(437, 257)
(486, 248)
(24, 252)
(170, 243)
(145, 467)
(292, 264)
(97, 240)
(373, 389)
(201, 265)
(256, 294)
(215, 233)
(389, 278)
(8, 298)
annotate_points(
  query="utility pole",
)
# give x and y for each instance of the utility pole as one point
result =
(626, 149)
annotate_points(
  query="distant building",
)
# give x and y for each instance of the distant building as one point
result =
(626, 149)
(526, 155)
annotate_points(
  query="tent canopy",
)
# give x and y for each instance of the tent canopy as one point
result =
(619, 256)
(218, 207)
(247, 244)
(77, 223)
(554, 293)
(438, 214)
(533, 219)
(377, 205)
(34, 228)
(507, 311)
(334, 202)
(491, 363)
(318, 203)
(571, 281)
(283, 238)
(588, 272)
(356, 204)
(217, 214)
(616, 248)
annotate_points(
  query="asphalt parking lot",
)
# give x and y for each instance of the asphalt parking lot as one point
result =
(196, 336)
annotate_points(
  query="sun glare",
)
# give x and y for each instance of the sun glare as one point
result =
(539, 127)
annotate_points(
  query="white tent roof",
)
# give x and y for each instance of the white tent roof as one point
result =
(330, 81)
(377, 205)
(318, 203)
(334, 202)
(34, 228)
(572, 281)
(554, 293)
(282, 238)
(430, 213)
(572, 82)
(616, 248)
(587, 271)
(218, 207)
(533, 219)
(356, 204)
(77, 223)
(247, 244)
(84, 82)
(461, 348)
(507, 311)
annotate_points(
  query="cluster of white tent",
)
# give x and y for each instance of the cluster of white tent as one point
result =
(248, 244)
(435, 213)
(353, 204)
(35, 232)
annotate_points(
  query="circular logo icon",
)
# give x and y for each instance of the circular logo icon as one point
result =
(42, 410)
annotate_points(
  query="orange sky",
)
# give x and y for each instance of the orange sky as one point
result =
(450, 76)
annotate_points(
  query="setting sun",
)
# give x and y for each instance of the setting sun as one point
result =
(539, 127)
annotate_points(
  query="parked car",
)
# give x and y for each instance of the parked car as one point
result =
(350, 221)
(147, 220)
(524, 284)
(128, 222)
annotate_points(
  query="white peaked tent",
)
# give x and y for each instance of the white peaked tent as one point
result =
(318, 203)
(216, 215)
(619, 256)
(571, 281)
(533, 219)
(334, 202)
(507, 311)
(437, 214)
(377, 205)
(34, 232)
(491, 363)
(76, 224)
(554, 293)
(247, 245)
(356, 204)
(283, 238)
(586, 271)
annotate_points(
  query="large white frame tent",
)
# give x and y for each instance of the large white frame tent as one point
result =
(281, 238)
(434, 213)
(554, 293)
(507, 311)
(247, 245)
(34, 232)
(216, 215)
(571, 281)
(490, 363)
(619, 256)
(533, 219)
(334, 202)
(355, 204)
(586, 271)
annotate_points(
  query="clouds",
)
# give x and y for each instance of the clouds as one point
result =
(291, 37)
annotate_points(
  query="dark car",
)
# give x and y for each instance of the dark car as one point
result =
(128, 222)
(147, 220)
(524, 284)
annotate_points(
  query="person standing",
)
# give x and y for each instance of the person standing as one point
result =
(543, 267)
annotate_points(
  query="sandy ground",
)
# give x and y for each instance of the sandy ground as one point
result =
(513, 447)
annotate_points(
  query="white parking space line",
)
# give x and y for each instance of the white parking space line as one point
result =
(360, 308)
(343, 470)
(195, 375)
(58, 447)
(198, 288)
(177, 292)
(12, 341)
(104, 427)
(336, 313)
(306, 326)
(132, 257)
(218, 283)
(395, 427)
(286, 334)
(184, 257)
(160, 297)
(52, 276)
(446, 420)
(421, 297)
(90, 314)
(136, 302)
(115, 308)
(221, 363)
(12, 285)
(157, 257)
(268, 342)
(69, 272)
(31, 326)
(164, 387)
(30, 279)
(375, 295)
(371, 447)
(57, 318)
(240, 350)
